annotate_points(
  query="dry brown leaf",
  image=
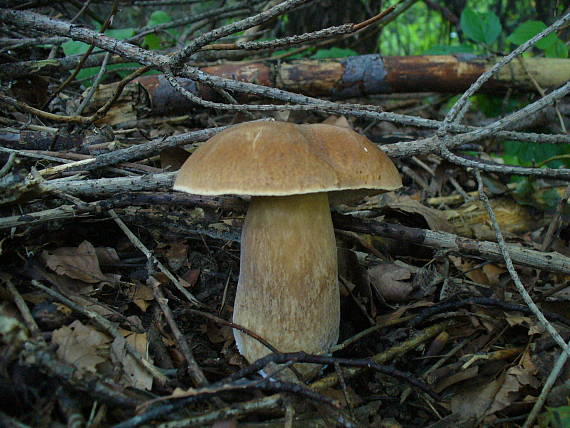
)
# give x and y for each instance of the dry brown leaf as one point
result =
(176, 255)
(217, 334)
(435, 219)
(76, 262)
(475, 401)
(134, 374)
(460, 376)
(500, 393)
(398, 313)
(487, 275)
(81, 346)
(141, 295)
(191, 277)
(390, 281)
(107, 256)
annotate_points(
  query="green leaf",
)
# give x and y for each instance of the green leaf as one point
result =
(472, 25)
(528, 30)
(155, 41)
(528, 154)
(152, 41)
(74, 48)
(557, 50)
(484, 28)
(334, 52)
(449, 50)
(121, 33)
(158, 17)
(492, 27)
(559, 417)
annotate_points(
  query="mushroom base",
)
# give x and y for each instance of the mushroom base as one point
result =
(288, 289)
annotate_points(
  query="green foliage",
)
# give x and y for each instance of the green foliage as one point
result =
(450, 49)
(529, 154)
(551, 45)
(415, 31)
(481, 28)
(74, 47)
(333, 52)
(493, 106)
(558, 417)
(155, 41)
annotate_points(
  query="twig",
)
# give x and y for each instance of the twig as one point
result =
(542, 93)
(21, 305)
(152, 258)
(8, 165)
(550, 380)
(235, 410)
(192, 18)
(86, 55)
(555, 222)
(234, 27)
(194, 369)
(106, 326)
(483, 301)
(400, 349)
(459, 105)
(94, 86)
(214, 390)
(528, 300)
(303, 38)
(235, 326)
(105, 390)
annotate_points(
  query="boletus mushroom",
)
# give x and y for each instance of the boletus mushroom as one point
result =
(288, 288)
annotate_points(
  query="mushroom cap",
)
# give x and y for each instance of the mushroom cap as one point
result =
(280, 158)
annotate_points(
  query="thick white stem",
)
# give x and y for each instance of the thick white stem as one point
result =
(288, 290)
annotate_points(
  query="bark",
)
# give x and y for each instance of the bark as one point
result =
(344, 78)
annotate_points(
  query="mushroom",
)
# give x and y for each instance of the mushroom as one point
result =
(288, 288)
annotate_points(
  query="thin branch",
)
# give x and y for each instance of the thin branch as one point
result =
(152, 258)
(302, 38)
(107, 326)
(512, 271)
(458, 106)
(226, 30)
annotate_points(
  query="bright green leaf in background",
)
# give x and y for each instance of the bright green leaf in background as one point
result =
(530, 154)
(334, 52)
(528, 30)
(449, 50)
(481, 28)
(154, 41)
(551, 44)
(559, 417)
(74, 47)
(557, 50)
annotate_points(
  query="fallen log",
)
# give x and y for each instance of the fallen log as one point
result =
(342, 78)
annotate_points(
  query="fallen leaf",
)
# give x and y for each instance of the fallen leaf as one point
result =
(141, 295)
(486, 275)
(107, 256)
(191, 277)
(390, 281)
(217, 334)
(475, 401)
(134, 374)
(435, 219)
(76, 262)
(81, 345)
(176, 255)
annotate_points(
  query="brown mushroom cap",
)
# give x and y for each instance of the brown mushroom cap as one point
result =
(279, 158)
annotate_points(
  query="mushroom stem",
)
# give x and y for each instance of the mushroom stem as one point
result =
(288, 288)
